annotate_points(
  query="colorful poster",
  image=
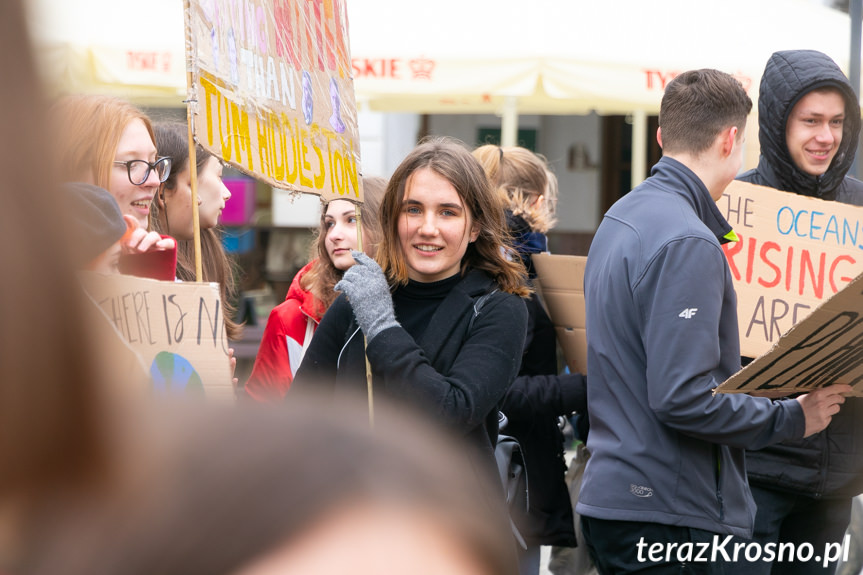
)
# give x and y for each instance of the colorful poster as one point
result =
(177, 328)
(272, 92)
(793, 253)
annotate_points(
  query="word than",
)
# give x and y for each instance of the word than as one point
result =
(166, 320)
(277, 147)
(265, 82)
(795, 270)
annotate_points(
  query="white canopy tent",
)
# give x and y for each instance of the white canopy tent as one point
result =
(467, 56)
(451, 56)
(104, 46)
(570, 56)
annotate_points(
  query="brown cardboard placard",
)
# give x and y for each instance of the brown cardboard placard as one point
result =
(561, 280)
(177, 328)
(824, 348)
(273, 92)
(794, 253)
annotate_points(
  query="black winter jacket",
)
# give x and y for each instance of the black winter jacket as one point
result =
(455, 375)
(830, 463)
(532, 406)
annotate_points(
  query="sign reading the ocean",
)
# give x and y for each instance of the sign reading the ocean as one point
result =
(794, 253)
(274, 92)
(177, 328)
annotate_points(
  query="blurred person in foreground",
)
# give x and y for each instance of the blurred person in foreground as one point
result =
(301, 488)
(51, 444)
(667, 455)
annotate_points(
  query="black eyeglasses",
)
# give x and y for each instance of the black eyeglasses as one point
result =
(139, 170)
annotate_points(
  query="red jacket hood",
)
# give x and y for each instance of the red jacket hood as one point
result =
(309, 304)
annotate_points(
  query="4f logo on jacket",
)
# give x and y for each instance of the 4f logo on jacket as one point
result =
(688, 313)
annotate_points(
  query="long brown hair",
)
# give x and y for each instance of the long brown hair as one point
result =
(172, 141)
(451, 160)
(323, 276)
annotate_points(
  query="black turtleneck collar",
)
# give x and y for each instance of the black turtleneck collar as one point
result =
(416, 302)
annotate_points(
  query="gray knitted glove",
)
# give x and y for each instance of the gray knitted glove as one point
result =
(369, 295)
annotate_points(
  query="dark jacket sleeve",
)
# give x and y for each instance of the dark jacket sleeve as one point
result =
(484, 367)
(545, 395)
(317, 372)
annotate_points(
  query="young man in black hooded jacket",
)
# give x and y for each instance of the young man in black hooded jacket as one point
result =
(809, 124)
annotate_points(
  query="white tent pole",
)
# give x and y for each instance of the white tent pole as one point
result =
(509, 122)
(639, 147)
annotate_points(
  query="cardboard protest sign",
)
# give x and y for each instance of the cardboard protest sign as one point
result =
(176, 327)
(561, 279)
(794, 253)
(274, 93)
(823, 349)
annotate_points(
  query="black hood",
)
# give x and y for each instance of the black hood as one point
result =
(789, 76)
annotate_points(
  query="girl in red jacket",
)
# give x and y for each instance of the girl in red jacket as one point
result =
(292, 323)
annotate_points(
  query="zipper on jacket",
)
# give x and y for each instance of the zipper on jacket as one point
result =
(717, 453)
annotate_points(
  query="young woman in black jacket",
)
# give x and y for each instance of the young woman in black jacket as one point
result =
(443, 249)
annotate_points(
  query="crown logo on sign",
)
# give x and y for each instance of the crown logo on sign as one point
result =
(422, 68)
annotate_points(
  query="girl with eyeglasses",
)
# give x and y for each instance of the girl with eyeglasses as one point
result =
(171, 213)
(108, 142)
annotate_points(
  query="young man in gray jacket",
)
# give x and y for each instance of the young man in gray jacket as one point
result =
(665, 485)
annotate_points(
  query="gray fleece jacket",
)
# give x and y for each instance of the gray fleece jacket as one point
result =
(662, 333)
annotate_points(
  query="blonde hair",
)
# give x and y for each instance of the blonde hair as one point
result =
(323, 275)
(524, 182)
(90, 128)
(451, 160)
